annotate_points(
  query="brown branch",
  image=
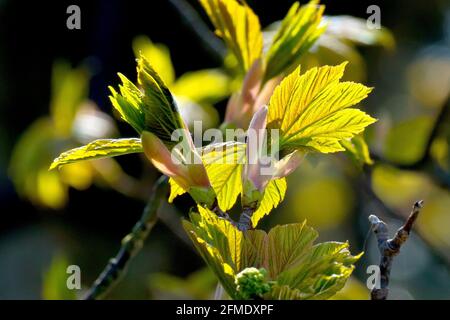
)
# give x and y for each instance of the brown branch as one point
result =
(389, 248)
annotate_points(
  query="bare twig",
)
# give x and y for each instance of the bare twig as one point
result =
(389, 248)
(131, 244)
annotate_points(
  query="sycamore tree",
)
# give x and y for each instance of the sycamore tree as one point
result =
(280, 112)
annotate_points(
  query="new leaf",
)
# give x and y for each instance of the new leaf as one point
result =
(98, 149)
(312, 110)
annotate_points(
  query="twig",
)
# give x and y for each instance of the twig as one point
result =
(131, 244)
(389, 248)
(194, 22)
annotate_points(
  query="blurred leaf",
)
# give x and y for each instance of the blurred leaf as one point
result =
(239, 27)
(69, 90)
(192, 111)
(158, 55)
(429, 79)
(197, 285)
(323, 200)
(311, 110)
(98, 149)
(358, 150)
(353, 290)
(272, 197)
(203, 86)
(355, 30)
(297, 33)
(54, 285)
(29, 166)
(399, 188)
(405, 142)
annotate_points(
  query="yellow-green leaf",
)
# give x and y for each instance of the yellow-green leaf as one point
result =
(128, 103)
(203, 86)
(224, 164)
(297, 33)
(273, 195)
(358, 150)
(175, 190)
(69, 90)
(54, 286)
(323, 271)
(98, 149)
(239, 27)
(311, 110)
(158, 55)
(161, 113)
(286, 246)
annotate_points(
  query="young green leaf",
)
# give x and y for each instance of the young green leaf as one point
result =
(98, 149)
(175, 190)
(223, 163)
(159, 56)
(161, 113)
(272, 197)
(239, 27)
(297, 33)
(296, 268)
(323, 271)
(311, 110)
(128, 103)
(358, 150)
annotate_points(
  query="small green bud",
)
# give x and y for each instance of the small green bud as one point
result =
(251, 283)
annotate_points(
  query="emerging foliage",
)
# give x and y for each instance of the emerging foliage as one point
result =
(297, 33)
(98, 149)
(296, 267)
(312, 110)
(239, 27)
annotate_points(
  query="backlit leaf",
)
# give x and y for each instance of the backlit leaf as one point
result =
(311, 110)
(239, 27)
(203, 86)
(161, 113)
(175, 190)
(273, 195)
(358, 150)
(224, 164)
(158, 55)
(297, 33)
(98, 149)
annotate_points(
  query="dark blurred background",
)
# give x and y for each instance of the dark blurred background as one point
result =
(88, 229)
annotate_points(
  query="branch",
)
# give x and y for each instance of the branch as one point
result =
(194, 22)
(131, 244)
(389, 248)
